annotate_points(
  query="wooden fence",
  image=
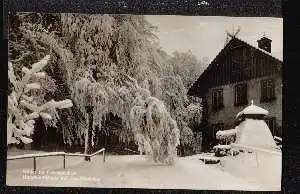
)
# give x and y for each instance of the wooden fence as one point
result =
(34, 156)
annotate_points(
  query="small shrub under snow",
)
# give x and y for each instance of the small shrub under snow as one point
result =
(226, 136)
(222, 150)
(209, 159)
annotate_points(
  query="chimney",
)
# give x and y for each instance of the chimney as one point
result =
(265, 44)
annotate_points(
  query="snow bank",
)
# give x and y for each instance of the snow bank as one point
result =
(258, 168)
(136, 171)
(255, 133)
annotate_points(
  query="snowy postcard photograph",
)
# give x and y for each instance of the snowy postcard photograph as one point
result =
(144, 101)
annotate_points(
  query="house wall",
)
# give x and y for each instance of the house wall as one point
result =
(227, 114)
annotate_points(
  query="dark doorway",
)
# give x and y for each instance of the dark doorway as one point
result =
(109, 137)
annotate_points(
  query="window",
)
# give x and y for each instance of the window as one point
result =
(267, 90)
(216, 128)
(271, 122)
(241, 95)
(217, 99)
(238, 56)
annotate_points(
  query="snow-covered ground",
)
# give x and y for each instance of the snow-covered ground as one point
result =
(137, 171)
(259, 167)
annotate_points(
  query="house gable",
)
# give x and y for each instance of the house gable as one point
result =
(237, 61)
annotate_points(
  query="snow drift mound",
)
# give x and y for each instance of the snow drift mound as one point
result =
(255, 133)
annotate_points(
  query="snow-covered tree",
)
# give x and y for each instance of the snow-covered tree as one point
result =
(118, 67)
(115, 62)
(31, 37)
(183, 70)
(25, 103)
(187, 66)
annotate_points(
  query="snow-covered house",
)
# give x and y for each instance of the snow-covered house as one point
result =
(239, 73)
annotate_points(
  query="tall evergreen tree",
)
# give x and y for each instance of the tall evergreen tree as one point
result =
(26, 103)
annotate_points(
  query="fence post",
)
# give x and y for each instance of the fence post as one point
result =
(103, 155)
(64, 161)
(257, 162)
(34, 164)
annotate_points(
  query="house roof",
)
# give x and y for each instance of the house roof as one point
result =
(192, 90)
(253, 110)
(261, 50)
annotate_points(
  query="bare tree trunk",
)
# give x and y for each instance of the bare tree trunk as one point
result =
(86, 138)
(88, 133)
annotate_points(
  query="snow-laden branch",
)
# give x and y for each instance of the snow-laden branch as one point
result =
(154, 130)
(22, 106)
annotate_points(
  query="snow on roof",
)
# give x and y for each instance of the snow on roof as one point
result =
(250, 44)
(253, 109)
(262, 50)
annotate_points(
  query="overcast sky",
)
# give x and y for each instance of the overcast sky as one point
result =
(205, 35)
